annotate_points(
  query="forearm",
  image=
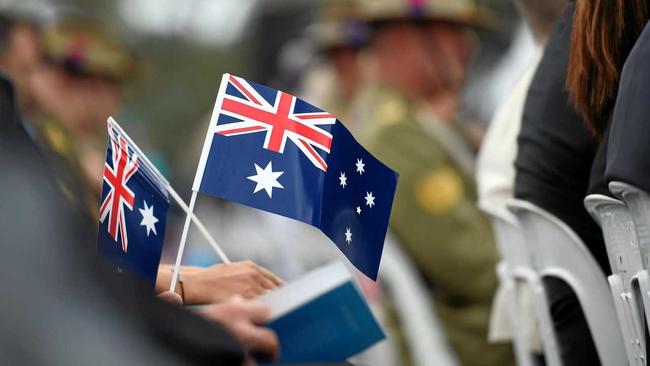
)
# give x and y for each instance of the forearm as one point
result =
(164, 278)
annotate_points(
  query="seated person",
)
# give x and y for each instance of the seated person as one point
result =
(554, 157)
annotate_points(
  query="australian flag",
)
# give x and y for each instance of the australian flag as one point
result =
(133, 209)
(270, 150)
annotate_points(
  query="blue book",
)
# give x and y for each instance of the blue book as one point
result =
(322, 317)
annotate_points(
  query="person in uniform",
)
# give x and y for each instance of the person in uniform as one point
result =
(407, 111)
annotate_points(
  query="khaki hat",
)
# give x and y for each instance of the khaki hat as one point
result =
(86, 48)
(340, 25)
(345, 33)
(461, 11)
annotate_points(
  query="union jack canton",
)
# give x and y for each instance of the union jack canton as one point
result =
(279, 121)
(273, 151)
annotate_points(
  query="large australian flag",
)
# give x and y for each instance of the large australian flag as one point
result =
(133, 209)
(270, 150)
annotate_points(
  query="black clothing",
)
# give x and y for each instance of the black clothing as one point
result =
(554, 158)
(58, 306)
(569, 324)
(628, 158)
(555, 148)
(597, 182)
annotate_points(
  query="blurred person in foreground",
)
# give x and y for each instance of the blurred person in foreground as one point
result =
(115, 319)
(421, 52)
(495, 170)
(77, 88)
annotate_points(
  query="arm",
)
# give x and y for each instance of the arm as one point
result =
(219, 282)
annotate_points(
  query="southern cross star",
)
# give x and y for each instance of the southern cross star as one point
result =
(148, 219)
(360, 166)
(343, 179)
(358, 210)
(348, 235)
(266, 179)
(370, 199)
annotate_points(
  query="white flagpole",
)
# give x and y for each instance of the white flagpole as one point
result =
(197, 179)
(199, 225)
(181, 248)
(190, 212)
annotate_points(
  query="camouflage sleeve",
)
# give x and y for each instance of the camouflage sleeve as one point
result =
(436, 218)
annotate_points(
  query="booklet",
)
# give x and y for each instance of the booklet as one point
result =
(322, 317)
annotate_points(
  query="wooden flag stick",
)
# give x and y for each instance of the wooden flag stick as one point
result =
(181, 247)
(202, 229)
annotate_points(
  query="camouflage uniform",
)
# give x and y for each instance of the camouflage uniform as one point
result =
(434, 213)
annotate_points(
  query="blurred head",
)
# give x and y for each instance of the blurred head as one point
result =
(604, 32)
(20, 56)
(344, 61)
(541, 16)
(423, 47)
(340, 35)
(423, 58)
(81, 101)
(81, 81)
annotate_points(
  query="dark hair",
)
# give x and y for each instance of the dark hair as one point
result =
(604, 32)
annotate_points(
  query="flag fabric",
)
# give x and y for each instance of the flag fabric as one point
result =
(270, 150)
(133, 209)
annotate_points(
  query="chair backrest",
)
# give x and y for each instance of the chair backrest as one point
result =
(517, 281)
(638, 203)
(418, 320)
(619, 232)
(625, 261)
(510, 240)
(558, 252)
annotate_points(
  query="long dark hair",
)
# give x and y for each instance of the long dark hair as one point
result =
(604, 32)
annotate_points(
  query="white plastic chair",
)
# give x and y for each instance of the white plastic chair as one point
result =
(558, 252)
(638, 204)
(625, 262)
(516, 275)
(418, 320)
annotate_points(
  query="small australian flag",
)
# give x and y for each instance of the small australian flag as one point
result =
(133, 209)
(270, 150)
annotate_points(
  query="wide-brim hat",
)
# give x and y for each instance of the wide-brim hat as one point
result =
(86, 48)
(465, 12)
